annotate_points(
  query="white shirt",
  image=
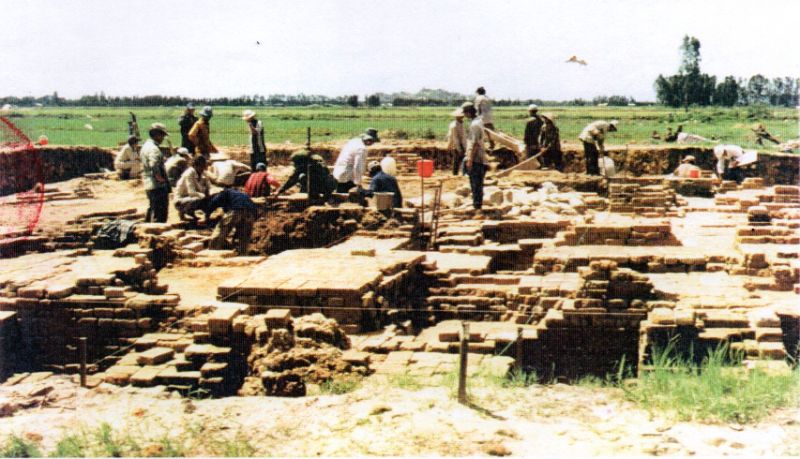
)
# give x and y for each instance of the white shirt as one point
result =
(128, 159)
(475, 149)
(594, 132)
(191, 185)
(224, 172)
(352, 162)
(456, 138)
(484, 106)
(389, 165)
(725, 154)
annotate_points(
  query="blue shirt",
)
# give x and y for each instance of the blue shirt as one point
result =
(385, 183)
(230, 199)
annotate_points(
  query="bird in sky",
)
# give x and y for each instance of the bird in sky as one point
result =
(576, 60)
(258, 42)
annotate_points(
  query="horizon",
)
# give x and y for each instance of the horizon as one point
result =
(360, 47)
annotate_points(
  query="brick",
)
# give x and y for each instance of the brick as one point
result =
(145, 377)
(155, 356)
(278, 318)
(769, 335)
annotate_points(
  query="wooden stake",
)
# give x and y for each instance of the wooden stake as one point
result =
(462, 364)
(82, 349)
(518, 357)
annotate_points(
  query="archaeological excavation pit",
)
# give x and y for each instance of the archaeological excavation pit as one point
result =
(564, 275)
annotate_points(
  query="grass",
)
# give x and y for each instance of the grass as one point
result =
(718, 390)
(340, 385)
(19, 447)
(65, 125)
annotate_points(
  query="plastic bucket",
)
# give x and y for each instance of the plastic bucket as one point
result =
(383, 201)
(694, 173)
(425, 168)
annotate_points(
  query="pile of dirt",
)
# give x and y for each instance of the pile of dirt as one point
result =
(309, 350)
(315, 227)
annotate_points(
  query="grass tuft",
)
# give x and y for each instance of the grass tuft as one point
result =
(720, 389)
(19, 447)
(340, 385)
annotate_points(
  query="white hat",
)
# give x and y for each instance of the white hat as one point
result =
(248, 114)
(457, 112)
(183, 151)
(532, 107)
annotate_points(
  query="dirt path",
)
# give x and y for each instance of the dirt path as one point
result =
(382, 419)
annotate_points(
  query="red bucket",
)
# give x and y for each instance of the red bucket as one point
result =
(425, 168)
(694, 173)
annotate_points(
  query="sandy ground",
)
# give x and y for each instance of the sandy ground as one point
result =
(382, 419)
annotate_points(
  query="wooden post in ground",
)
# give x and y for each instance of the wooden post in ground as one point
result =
(518, 356)
(462, 364)
(82, 349)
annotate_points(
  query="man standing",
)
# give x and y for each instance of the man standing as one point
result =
(200, 134)
(191, 192)
(477, 160)
(457, 139)
(260, 183)
(533, 129)
(381, 182)
(240, 214)
(352, 161)
(127, 162)
(551, 144)
(186, 121)
(311, 172)
(593, 136)
(154, 175)
(258, 149)
(484, 107)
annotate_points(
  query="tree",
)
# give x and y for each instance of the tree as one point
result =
(758, 89)
(374, 100)
(352, 101)
(727, 92)
(690, 55)
(688, 86)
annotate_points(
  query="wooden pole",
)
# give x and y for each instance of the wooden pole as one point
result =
(462, 364)
(82, 349)
(518, 356)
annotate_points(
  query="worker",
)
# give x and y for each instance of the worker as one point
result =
(240, 214)
(477, 160)
(388, 163)
(200, 134)
(762, 134)
(191, 191)
(186, 121)
(457, 139)
(310, 171)
(381, 182)
(728, 158)
(655, 136)
(260, 183)
(154, 175)
(484, 107)
(258, 149)
(533, 130)
(176, 164)
(672, 137)
(127, 162)
(550, 140)
(226, 172)
(593, 136)
(687, 168)
(352, 161)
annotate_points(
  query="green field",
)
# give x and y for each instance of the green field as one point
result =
(65, 125)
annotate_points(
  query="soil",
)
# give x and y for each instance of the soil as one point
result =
(314, 227)
(380, 419)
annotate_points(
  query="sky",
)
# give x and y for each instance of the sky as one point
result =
(514, 48)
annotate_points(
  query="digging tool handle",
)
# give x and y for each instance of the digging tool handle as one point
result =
(518, 356)
(462, 364)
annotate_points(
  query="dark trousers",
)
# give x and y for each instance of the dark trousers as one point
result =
(458, 158)
(256, 158)
(159, 205)
(734, 173)
(553, 158)
(345, 187)
(476, 176)
(590, 153)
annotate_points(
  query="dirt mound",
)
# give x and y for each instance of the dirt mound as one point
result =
(315, 227)
(309, 351)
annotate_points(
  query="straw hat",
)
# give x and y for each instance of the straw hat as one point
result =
(158, 127)
(248, 115)
(533, 107)
(688, 159)
(457, 113)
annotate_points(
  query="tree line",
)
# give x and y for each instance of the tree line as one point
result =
(692, 87)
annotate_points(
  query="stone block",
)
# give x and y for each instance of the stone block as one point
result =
(155, 356)
(278, 318)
